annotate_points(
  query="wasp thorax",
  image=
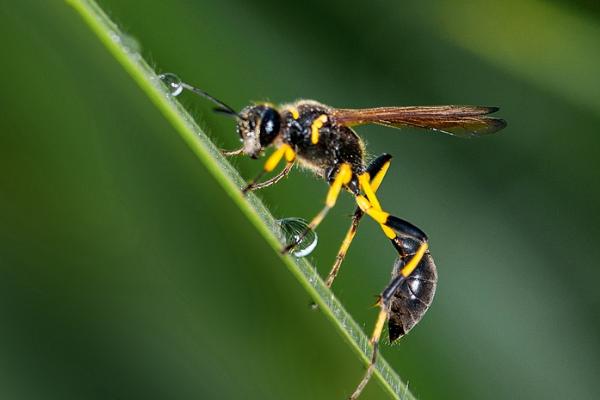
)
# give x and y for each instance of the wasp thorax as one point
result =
(258, 126)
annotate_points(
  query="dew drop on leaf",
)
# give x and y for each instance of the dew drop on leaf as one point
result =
(172, 82)
(292, 229)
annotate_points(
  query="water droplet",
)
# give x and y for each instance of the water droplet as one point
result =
(172, 82)
(292, 229)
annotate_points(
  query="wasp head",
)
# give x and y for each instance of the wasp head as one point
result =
(258, 126)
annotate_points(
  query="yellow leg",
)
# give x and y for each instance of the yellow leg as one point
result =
(392, 226)
(384, 314)
(414, 261)
(379, 168)
(344, 248)
(365, 185)
(343, 177)
(381, 319)
(378, 215)
(274, 159)
(378, 178)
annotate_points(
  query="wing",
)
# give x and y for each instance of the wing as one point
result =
(463, 121)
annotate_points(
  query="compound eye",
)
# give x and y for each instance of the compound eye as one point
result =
(269, 126)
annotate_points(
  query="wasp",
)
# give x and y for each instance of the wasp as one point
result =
(322, 139)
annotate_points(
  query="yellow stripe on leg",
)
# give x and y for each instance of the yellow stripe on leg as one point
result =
(290, 154)
(363, 180)
(389, 232)
(365, 205)
(369, 189)
(343, 177)
(276, 157)
(376, 180)
(378, 215)
(318, 218)
(341, 254)
(381, 318)
(414, 261)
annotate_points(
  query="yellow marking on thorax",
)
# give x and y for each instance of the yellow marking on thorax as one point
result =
(294, 111)
(316, 125)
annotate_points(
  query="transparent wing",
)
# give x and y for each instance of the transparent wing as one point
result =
(463, 121)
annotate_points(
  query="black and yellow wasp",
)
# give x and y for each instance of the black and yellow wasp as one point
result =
(321, 138)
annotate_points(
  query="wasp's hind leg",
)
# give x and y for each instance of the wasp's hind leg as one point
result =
(398, 231)
(385, 304)
(343, 177)
(411, 244)
(395, 229)
(376, 172)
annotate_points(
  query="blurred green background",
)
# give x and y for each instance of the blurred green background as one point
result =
(126, 272)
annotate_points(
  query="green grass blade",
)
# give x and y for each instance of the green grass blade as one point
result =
(123, 49)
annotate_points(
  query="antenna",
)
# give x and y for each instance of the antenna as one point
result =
(223, 108)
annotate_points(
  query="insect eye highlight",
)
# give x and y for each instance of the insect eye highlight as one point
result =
(269, 126)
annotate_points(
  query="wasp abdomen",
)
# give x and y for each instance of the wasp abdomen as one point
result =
(414, 296)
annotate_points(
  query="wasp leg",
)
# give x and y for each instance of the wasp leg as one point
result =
(376, 172)
(261, 185)
(388, 223)
(230, 153)
(271, 163)
(342, 177)
(395, 228)
(384, 304)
